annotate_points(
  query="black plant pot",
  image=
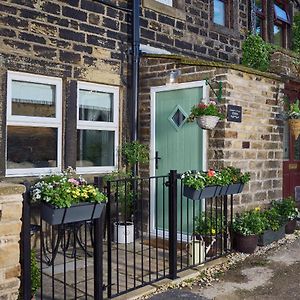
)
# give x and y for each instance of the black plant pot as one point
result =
(75, 213)
(270, 236)
(206, 192)
(244, 243)
(235, 188)
(290, 226)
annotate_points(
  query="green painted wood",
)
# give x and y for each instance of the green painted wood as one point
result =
(179, 148)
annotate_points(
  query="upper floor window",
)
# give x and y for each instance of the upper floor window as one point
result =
(281, 23)
(260, 16)
(166, 2)
(219, 13)
(34, 131)
(97, 128)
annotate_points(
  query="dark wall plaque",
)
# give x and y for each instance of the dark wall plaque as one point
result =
(234, 113)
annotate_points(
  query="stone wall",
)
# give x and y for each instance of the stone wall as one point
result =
(255, 145)
(10, 228)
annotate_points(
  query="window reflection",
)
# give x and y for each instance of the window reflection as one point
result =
(95, 106)
(95, 148)
(219, 12)
(31, 147)
(33, 99)
(278, 35)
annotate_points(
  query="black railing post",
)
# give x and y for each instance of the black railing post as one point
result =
(98, 256)
(109, 245)
(26, 248)
(172, 224)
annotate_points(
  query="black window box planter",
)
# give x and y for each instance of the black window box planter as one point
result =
(270, 236)
(235, 188)
(206, 192)
(76, 213)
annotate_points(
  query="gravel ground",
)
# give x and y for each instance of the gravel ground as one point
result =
(262, 275)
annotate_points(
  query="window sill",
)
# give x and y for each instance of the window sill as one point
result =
(165, 9)
(232, 32)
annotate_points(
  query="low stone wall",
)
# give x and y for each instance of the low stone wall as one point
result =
(10, 228)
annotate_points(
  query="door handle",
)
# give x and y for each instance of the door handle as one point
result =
(157, 158)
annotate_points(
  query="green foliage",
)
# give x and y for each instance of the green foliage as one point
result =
(296, 33)
(286, 208)
(294, 110)
(203, 109)
(209, 224)
(249, 222)
(256, 53)
(272, 219)
(135, 152)
(35, 274)
(63, 190)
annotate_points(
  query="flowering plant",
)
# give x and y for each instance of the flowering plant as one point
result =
(286, 208)
(63, 190)
(208, 225)
(272, 219)
(249, 222)
(198, 180)
(206, 109)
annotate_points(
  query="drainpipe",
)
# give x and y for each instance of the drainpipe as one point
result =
(135, 72)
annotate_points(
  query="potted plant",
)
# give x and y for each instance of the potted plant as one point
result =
(233, 180)
(35, 274)
(198, 185)
(121, 189)
(66, 198)
(274, 227)
(293, 116)
(208, 228)
(206, 114)
(289, 212)
(133, 153)
(246, 227)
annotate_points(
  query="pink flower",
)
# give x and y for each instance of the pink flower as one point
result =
(74, 181)
(202, 105)
(211, 173)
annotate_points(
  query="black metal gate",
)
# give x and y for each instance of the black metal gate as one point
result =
(154, 251)
(160, 239)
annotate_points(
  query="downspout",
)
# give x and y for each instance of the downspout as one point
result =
(135, 73)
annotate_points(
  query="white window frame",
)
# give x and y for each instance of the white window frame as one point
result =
(31, 121)
(101, 126)
(166, 2)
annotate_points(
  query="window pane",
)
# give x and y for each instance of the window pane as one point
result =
(258, 5)
(219, 12)
(281, 13)
(95, 106)
(258, 26)
(277, 35)
(297, 149)
(33, 99)
(95, 148)
(31, 147)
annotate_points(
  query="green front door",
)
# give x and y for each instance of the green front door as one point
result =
(179, 144)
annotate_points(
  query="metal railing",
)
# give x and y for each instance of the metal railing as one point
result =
(151, 231)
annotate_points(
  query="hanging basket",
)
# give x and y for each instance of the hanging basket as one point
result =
(295, 127)
(207, 122)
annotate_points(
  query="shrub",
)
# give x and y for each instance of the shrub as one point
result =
(209, 224)
(296, 33)
(286, 208)
(256, 53)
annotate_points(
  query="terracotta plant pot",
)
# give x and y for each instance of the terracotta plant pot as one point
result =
(245, 244)
(290, 226)
(295, 127)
